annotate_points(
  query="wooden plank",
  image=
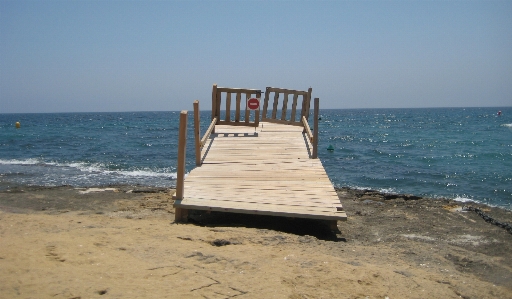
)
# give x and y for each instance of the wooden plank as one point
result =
(262, 210)
(242, 195)
(284, 122)
(258, 193)
(270, 206)
(245, 123)
(258, 205)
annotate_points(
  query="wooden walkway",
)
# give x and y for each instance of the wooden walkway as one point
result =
(265, 169)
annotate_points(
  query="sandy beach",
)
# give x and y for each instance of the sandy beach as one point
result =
(122, 242)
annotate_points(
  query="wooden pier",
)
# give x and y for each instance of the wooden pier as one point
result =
(253, 166)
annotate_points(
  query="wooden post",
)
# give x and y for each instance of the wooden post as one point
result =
(214, 100)
(315, 128)
(197, 132)
(180, 180)
(218, 99)
(309, 102)
(182, 145)
(257, 112)
(214, 103)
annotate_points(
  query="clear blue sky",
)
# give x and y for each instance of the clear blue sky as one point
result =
(71, 56)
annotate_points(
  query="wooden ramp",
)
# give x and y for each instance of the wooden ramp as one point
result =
(264, 168)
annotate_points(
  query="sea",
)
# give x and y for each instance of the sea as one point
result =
(457, 153)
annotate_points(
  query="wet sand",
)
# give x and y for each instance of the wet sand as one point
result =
(122, 242)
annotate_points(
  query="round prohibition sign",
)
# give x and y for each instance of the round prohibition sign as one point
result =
(253, 103)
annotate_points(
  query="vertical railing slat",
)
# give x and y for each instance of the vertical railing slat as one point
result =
(294, 107)
(228, 106)
(238, 103)
(247, 110)
(276, 100)
(265, 102)
(218, 100)
(257, 112)
(285, 104)
(214, 101)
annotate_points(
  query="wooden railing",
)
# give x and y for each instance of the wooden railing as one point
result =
(284, 115)
(200, 142)
(225, 94)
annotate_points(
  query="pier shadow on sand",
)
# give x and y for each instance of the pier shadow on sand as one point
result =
(297, 226)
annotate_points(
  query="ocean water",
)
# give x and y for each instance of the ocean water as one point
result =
(458, 153)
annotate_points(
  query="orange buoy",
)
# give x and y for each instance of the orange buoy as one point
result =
(18, 125)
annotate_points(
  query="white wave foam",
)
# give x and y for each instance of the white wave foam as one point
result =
(93, 168)
(30, 161)
(381, 190)
(144, 173)
(507, 125)
(463, 199)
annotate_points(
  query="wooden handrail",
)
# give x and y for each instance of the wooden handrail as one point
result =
(313, 137)
(200, 142)
(308, 130)
(238, 90)
(208, 132)
(284, 90)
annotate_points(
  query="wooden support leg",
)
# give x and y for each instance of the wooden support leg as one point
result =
(181, 215)
(333, 225)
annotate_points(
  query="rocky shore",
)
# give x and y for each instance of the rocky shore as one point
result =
(122, 242)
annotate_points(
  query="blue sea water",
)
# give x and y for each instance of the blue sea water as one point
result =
(458, 153)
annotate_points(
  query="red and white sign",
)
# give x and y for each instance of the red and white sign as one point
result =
(253, 103)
